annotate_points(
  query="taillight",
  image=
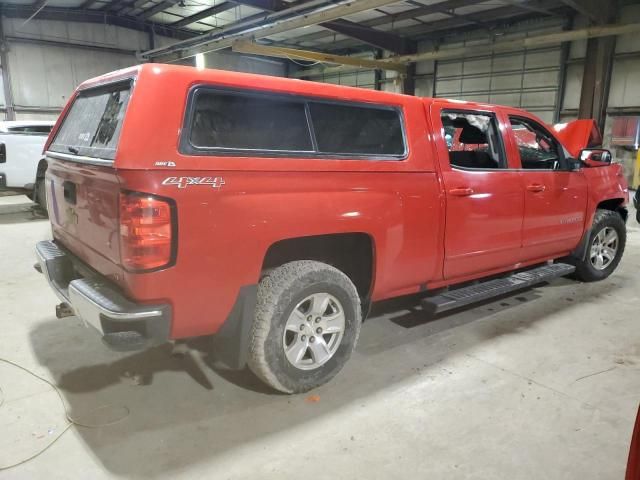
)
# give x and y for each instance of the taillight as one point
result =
(146, 232)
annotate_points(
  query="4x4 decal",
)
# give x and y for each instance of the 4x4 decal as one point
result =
(184, 182)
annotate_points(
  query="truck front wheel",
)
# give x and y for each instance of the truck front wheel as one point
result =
(307, 323)
(604, 250)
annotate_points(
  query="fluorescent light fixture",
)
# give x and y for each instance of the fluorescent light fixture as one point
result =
(200, 63)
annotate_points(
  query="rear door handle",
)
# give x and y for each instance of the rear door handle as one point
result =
(461, 192)
(536, 187)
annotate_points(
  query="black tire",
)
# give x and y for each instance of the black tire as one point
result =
(585, 270)
(280, 291)
(40, 195)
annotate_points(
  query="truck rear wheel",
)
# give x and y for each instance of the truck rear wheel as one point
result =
(307, 323)
(605, 248)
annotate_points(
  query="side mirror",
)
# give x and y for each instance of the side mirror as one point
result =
(596, 157)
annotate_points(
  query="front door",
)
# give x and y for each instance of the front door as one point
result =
(484, 198)
(555, 198)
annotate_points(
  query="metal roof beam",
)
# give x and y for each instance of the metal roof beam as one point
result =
(531, 6)
(92, 16)
(440, 26)
(88, 4)
(441, 7)
(585, 7)
(206, 13)
(150, 12)
(377, 38)
(310, 13)
(502, 46)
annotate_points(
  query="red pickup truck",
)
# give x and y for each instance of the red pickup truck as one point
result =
(270, 212)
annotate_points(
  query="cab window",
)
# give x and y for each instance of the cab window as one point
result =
(473, 140)
(538, 149)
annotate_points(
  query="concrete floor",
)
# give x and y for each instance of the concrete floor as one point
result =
(542, 384)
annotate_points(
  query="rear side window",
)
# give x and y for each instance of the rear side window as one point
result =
(245, 122)
(92, 126)
(356, 129)
(473, 140)
(255, 123)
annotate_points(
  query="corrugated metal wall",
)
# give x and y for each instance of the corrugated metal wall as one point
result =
(45, 66)
(527, 79)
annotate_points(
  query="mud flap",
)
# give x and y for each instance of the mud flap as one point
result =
(231, 343)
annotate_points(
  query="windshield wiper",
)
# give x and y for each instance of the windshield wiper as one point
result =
(73, 150)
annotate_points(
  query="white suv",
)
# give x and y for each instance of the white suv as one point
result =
(21, 144)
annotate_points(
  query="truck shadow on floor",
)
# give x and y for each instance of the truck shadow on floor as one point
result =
(176, 422)
(9, 215)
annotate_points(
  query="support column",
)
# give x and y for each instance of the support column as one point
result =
(409, 80)
(409, 77)
(598, 65)
(377, 83)
(6, 77)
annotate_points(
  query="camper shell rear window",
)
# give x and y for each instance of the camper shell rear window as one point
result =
(230, 122)
(92, 126)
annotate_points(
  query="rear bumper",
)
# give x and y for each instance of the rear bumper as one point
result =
(124, 325)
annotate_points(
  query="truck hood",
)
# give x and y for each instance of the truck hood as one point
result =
(578, 135)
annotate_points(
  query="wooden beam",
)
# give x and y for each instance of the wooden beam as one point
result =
(447, 5)
(292, 53)
(440, 27)
(271, 24)
(376, 38)
(505, 45)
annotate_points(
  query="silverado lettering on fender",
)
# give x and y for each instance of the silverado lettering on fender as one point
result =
(270, 212)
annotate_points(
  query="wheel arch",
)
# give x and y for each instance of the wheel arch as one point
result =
(353, 253)
(615, 205)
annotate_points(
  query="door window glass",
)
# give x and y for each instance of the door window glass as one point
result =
(538, 149)
(473, 140)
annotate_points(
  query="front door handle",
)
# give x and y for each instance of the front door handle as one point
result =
(461, 192)
(536, 187)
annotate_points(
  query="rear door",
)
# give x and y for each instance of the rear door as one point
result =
(555, 198)
(484, 197)
(82, 186)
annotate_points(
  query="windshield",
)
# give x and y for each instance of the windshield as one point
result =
(92, 126)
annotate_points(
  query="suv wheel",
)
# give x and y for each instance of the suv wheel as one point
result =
(606, 245)
(306, 326)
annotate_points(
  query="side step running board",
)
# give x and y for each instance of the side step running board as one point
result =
(493, 288)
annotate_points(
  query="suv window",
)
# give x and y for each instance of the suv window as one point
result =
(473, 140)
(538, 149)
(92, 126)
(356, 129)
(256, 123)
(247, 122)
